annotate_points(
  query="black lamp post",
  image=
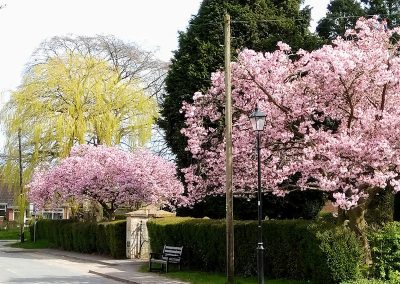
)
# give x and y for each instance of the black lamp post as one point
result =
(257, 119)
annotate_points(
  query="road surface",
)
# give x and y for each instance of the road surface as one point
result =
(21, 266)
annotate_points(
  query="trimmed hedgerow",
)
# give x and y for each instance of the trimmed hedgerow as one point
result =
(294, 249)
(103, 238)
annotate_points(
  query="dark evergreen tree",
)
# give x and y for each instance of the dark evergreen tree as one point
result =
(341, 15)
(386, 9)
(256, 24)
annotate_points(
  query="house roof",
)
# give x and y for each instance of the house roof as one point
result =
(7, 195)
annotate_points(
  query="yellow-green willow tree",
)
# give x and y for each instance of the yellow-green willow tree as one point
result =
(82, 90)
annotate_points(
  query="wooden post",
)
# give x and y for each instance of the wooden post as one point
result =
(21, 197)
(228, 161)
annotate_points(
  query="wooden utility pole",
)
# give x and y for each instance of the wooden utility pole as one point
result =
(228, 154)
(21, 197)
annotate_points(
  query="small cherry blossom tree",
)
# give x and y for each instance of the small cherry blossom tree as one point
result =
(333, 122)
(109, 176)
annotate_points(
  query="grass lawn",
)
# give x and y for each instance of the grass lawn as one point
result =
(13, 234)
(196, 277)
(40, 244)
(199, 277)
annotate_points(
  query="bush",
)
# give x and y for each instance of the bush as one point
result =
(366, 281)
(294, 249)
(381, 208)
(103, 238)
(396, 207)
(385, 248)
(295, 205)
(116, 238)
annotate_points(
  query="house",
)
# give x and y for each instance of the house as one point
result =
(9, 209)
(54, 214)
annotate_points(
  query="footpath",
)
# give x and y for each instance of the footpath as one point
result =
(122, 270)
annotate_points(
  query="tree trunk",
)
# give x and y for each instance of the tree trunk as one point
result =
(109, 214)
(358, 225)
(342, 216)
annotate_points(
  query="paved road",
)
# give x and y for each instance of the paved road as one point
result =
(20, 266)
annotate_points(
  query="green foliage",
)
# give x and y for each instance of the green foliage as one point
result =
(396, 207)
(341, 15)
(381, 208)
(337, 244)
(32, 245)
(116, 234)
(366, 281)
(294, 249)
(72, 96)
(386, 9)
(12, 233)
(104, 238)
(258, 25)
(295, 205)
(198, 277)
(385, 249)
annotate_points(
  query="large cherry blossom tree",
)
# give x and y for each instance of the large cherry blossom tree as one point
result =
(333, 121)
(109, 176)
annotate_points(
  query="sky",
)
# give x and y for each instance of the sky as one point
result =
(152, 24)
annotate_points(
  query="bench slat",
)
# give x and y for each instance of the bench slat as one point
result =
(170, 254)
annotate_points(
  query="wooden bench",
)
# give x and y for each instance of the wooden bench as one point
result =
(169, 255)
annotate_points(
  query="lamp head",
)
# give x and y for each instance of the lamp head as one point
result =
(257, 119)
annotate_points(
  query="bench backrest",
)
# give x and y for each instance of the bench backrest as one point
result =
(174, 253)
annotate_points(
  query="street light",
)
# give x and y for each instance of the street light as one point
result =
(257, 119)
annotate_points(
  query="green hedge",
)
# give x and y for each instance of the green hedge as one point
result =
(294, 249)
(104, 238)
(385, 248)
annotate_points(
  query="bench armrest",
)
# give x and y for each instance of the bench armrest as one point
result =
(155, 255)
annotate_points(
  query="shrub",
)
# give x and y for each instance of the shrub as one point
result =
(87, 237)
(295, 205)
(396, 207)
(366, 281)
(116, 238)
(342, 253)
(102, 239)
(381, 208)
(295, 249)
(385, 248)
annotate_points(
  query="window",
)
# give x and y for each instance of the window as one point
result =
(55, 214)
(3, 209)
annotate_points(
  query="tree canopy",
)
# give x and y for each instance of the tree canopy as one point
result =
(343, 14)
(256, 24)
(353, 84)
(109, 176)
(93, 90)
(333, 122)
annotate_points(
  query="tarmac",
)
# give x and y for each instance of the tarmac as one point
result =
(122, 270)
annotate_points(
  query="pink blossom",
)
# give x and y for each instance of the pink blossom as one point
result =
(353, 83)
(108, 175)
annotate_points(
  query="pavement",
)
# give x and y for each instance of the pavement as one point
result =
(122, 270)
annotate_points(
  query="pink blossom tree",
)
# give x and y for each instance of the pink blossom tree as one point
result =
(109, 176)
(333, 115)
